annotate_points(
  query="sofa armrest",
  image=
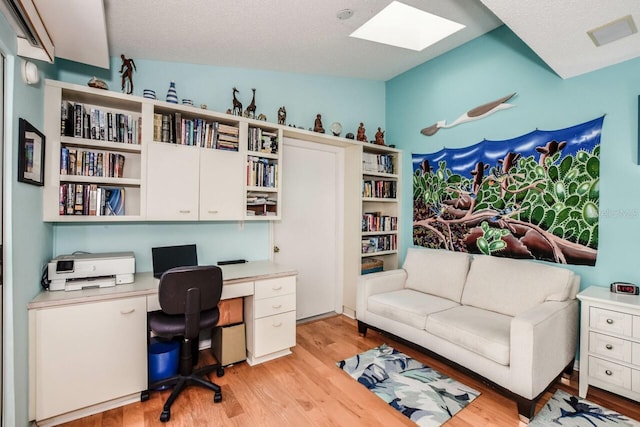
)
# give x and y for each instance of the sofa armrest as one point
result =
(376, 283)
(543, 342)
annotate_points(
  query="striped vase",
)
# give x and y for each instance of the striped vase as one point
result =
(172, 96)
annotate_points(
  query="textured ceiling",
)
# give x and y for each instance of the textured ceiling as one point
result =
(305, 36)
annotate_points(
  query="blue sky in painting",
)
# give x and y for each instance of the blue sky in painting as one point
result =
(462, 161)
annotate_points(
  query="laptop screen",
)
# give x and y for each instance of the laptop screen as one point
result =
(167, 257)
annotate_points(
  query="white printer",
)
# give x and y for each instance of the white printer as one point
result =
(79, 271)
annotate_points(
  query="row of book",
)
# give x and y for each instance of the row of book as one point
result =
(91, 199)
(379, 244)
(80, 121)
(261, 172)
(379, 189)
(175, 129)
(74, 161)
(262, 141)
(375, 221)
(382, 163)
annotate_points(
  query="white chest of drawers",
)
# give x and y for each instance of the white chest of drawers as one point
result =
(610, 342)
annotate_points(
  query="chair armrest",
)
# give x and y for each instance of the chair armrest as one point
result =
(376, 283)
(543, 342)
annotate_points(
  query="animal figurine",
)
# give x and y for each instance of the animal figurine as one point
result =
(237, 105)
(251, 108)
(361, 133)
(474, 114)
(282, 115)
(262, 117)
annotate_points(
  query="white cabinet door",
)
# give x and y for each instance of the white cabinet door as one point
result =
(172, 182)
(221, 190)
(89, 353)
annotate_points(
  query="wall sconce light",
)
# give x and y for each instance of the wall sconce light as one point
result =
(30, 73)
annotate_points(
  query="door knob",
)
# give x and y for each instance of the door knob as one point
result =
(276, 249)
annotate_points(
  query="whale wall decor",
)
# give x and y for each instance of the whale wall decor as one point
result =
(474, 114)
(535, 196)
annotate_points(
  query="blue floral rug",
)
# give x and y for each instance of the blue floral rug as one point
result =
(425, 396)
(566, 410)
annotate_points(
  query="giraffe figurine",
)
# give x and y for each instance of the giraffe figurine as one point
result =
(251, 108)
(237, 105)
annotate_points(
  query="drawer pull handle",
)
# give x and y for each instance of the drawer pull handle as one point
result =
(610, 321)
(277, 288)
(608, 347)
(129, 311)
(184, 211)
(276, 306)
(277, 325)
(213, 212)
(608, 372)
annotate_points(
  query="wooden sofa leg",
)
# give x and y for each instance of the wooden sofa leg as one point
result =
(567, 372)
(526, 409)
(362, 329)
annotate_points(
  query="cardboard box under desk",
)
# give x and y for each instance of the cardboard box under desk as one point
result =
(231, 311)
(228, 344)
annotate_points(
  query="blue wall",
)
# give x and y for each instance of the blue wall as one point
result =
(496, 65)
(346, 100)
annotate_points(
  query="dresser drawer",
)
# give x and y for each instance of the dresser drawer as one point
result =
(610, 347)
(610, 321)
(276, 305)
(635, 354)
(610, 372)
(275, 287)
(636, 326)
(275, 333)
(635, 380)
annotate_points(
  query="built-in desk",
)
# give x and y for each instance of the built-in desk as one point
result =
(88, 348)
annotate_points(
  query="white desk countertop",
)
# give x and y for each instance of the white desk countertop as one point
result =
(145, 284)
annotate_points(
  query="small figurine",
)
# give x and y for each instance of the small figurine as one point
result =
(317, 127)
(380, 137)
(251, 108)
(349, 135)
(237, 105)
(97, 83)
(126, 69)
(262, 117)
(361, 133)
(282, 115)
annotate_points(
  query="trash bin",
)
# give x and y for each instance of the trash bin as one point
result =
(163, 360)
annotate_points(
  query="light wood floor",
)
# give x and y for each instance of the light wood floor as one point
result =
(308, 389)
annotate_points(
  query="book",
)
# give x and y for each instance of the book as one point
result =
(79, 200)
(64, 160)
(93, 199)
(70, 199)
(66, 118)
(114, 201)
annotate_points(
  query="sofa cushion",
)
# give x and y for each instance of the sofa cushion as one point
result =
(437, 272)
(484, 332)
(407, 306)
(511, 286)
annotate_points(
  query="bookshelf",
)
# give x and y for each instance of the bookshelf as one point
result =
(201, 150)
(380, 194)
(94, 161)
(263, 176)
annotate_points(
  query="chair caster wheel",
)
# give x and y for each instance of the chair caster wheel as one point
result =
(217, 398)
(220, 372)
(144, 395)
(165, 416)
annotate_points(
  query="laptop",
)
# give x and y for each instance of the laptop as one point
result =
(167, 257)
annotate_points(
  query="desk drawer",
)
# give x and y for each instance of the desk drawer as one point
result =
(275, 287)
(610, 321)
(275, 333)
(610, 347)
(610, 372)
(270, 306)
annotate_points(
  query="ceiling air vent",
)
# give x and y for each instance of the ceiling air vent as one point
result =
(32, 36)
(613, 31)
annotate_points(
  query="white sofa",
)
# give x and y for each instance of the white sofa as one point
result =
(513, 322)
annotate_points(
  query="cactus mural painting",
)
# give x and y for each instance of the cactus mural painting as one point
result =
(535, 196)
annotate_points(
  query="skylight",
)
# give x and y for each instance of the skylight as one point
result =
(407, 27)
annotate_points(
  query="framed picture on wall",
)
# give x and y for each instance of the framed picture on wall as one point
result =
(30, 154)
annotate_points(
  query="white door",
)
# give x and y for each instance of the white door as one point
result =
(307, 236)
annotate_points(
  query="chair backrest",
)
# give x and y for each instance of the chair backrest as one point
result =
(186, 290)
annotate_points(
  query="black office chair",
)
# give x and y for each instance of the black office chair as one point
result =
(189, 299)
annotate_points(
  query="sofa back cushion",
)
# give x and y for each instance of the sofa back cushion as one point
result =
(511, 286)
(437, 272)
